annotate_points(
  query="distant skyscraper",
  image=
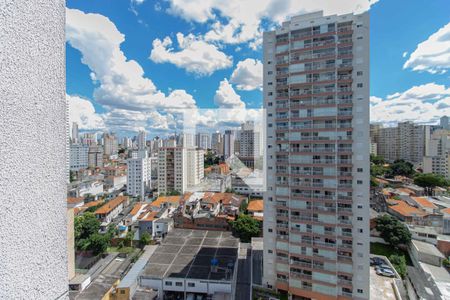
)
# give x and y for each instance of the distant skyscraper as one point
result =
(127, 142)
(75, 134)
(138, 174)
(316, 206)
(89, 139)
(110, 144)
(203, 140)
(95, 156)
(142, 137)
(249, 140)
(228, 143)
(444, 122)
(217, 143)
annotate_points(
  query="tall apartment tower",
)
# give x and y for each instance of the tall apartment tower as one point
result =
(75, 134)
(110, 144)
(138, 174)
(217, 143)
(316, 207)
(141, 140)
(228, 143)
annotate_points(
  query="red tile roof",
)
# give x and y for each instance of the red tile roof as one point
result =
(255, 205)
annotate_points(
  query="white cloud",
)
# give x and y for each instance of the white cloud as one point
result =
(248, 75)
(424, 104)
(405, 54)
(194, 55)
(83, 113)
(433, 54)
(226, 97)
(237, 21)
(121, 82)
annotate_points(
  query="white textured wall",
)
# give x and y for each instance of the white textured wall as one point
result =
(33, 251)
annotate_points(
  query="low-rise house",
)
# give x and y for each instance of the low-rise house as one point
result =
(89, 187)
(208, 211)
(425, 204)
(255, 208)
(405, 212)
(107, 212)
(426, 253)
(73, 202)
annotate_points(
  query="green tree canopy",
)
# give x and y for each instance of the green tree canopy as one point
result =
(392, 230)
(400, 168)
(429, 181)
(145, 239)
(245, 227)
(377, 159)
(399, 263)
(86, 225)
(98, 243)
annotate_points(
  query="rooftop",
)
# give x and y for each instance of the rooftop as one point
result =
(166, 199)
(137, 268)
(405, 209)
(428, 248)
(75, 200)
(256, 205)
(424, 202)
(110, 205)
(188, 254)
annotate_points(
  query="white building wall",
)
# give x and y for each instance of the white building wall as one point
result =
(34, 134)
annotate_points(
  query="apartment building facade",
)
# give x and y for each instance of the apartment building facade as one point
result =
(78, 157)
(316, 207)
(171, 162)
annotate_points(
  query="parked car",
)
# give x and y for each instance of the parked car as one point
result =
(376, 261)
(385, 272)
(383, 266)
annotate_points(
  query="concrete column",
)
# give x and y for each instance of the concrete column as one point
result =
(33, 137)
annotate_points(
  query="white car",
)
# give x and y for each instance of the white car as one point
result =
(385, 272)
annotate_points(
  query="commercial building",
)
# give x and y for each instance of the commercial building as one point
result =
(316, 207)
(191, 263)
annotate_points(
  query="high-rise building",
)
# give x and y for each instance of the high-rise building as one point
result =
(249, 140)
(89, 139)
(110, 144)
(78, 157)
(75, 134)
(217, 143)
(374, 138)
(95, 156)
(179, 168)
(138, 174)
(127, 142)
(228, 143)
(407, 141)
(141, 140)
(437, 156)
(203, 141)
(316, 207)
(444, 123)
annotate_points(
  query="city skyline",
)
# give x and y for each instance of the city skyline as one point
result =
(158, 76)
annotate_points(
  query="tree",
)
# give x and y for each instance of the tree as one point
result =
(86, 225)
(392, 230)
(243, 207)
(245, 227)
(399, 263)
(129, 238)
(98, 243)
(210, 159)
(377, 159)
(429, 181)
(145, 239)
(400, 168)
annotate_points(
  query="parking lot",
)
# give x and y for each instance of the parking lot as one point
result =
(381, 287)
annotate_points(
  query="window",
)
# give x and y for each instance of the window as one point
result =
(270, 73)
(269, 104)
(270, 230)
(270, 251)
(178, 283)
(269, 62)
(360, 170)
(270, 83)
(191, 284)
(122, 292)
(359, 85)
(269, 93)
(360, 230)
(360, 206)
(359, 73)
(168, 283)
(359, 181)
(360, 291)
(359, 218)
(359, 38)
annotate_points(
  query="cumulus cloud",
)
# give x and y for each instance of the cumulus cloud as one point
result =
(83, 113)
(248, 75)
(226, 97)
(121, 82)
(194, 55)
(424, 104)
(237, 21)
(433, 54)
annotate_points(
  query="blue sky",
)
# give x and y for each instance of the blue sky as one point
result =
(138, 52)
